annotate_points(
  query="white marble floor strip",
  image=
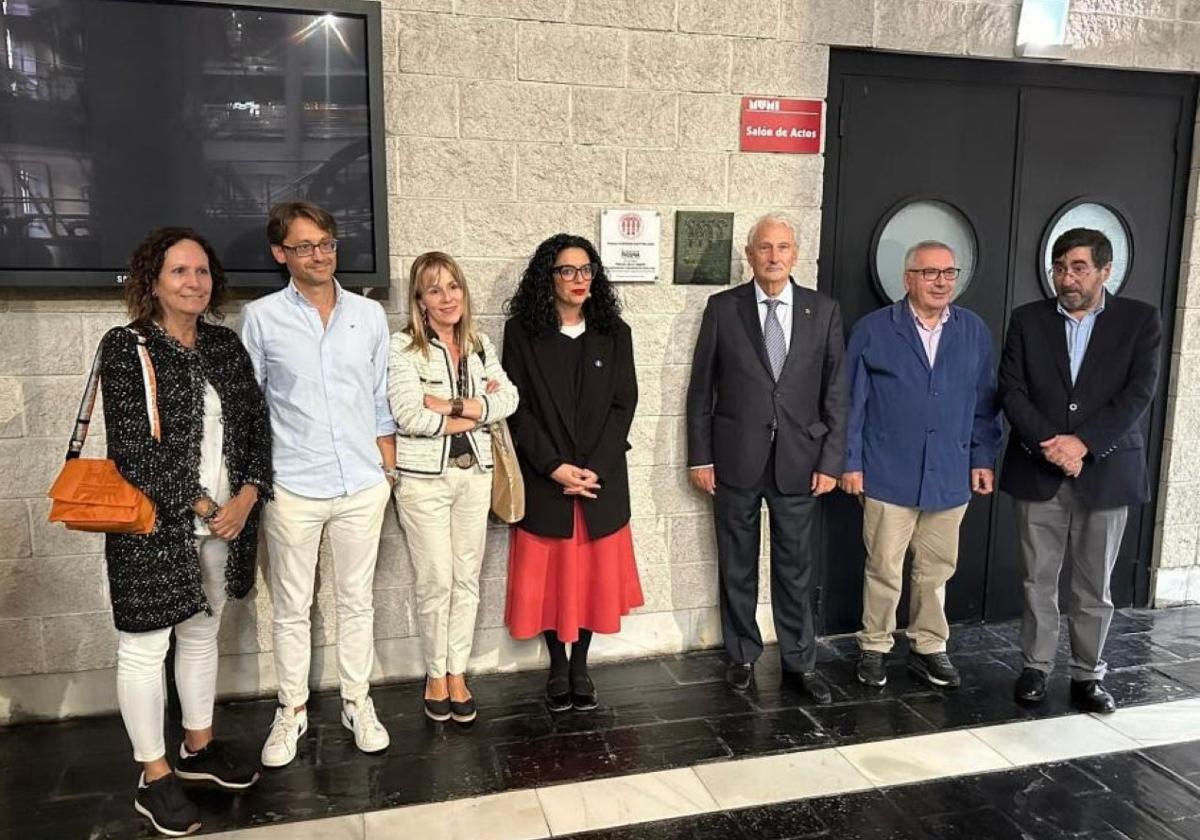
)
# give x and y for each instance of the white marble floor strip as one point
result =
(563, 809)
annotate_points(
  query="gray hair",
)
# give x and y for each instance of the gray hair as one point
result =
(769, 219)
(925, 245)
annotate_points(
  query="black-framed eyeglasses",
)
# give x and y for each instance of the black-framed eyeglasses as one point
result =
(931, 274)
(305, 249)
(567, 272)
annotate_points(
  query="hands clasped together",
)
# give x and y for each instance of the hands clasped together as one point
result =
(1065, 452)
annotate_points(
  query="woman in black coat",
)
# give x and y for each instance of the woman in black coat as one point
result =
(186, 425)
(571, 566)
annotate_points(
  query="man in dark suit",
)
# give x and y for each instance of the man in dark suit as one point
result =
(1077, 376)
(766, 419)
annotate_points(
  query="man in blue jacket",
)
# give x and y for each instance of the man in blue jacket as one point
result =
(924, 431)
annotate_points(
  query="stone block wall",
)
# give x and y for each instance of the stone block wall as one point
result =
(507, 121)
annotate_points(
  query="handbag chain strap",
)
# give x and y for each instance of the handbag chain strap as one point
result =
(83, 418)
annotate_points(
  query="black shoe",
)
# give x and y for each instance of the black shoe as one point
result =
(164, 803)
(1090, 696)
(871, 670)
(935, 669)
(739, 676)
(463, 712)
(812, 684)
(438, 710)
(558, 693)
(1031, 686)
(583, 693)
(215, 764)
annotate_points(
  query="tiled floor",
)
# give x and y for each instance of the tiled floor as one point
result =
(75, 779)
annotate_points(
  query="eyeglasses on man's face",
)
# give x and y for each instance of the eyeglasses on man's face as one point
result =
(306, 249)
(568, 272)
(929, 275)
(1076, 270)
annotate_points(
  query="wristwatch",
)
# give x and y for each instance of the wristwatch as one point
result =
(211, 514)
(393, 474)
(456, 407)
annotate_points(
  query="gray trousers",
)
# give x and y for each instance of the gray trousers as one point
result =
(1088, 538)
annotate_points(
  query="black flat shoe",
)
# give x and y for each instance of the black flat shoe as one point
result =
(463, 712)
(583, 693)
(739, 676)
(814, 686)
(438, 710)
(1031, 686)
(1090, 696)
(558, 693)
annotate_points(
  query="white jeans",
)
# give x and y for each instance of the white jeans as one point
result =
(140, 656)
(445, 522)
(293, 526)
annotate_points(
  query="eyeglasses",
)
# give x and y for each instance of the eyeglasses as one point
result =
(931, 274)
(567, 272)
(1076, 271)
(305, 249)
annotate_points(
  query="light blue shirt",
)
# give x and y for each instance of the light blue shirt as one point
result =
(1079, 333)
(326, 388)
(783, 312)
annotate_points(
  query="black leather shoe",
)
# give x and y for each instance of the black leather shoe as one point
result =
(1031, 686)
(558, 693)
(739, 676)
(1090, 696)
(583, 693)
(813, 684)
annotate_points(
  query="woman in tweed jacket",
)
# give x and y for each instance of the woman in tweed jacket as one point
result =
(445, 384)
(207, 472)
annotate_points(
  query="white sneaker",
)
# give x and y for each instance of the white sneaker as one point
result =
(369, 734)
(280, 748)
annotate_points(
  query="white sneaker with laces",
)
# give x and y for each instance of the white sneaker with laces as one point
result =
(288, 727)
(360, 718)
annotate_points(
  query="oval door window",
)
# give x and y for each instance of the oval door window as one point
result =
(917, 220)
(1087, 213)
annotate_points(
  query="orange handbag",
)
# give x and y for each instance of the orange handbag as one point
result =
(89, 493)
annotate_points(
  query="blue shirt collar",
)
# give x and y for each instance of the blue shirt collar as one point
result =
(1093, 313)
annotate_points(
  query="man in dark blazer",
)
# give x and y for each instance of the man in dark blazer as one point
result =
(766, 419)
(1077, 376)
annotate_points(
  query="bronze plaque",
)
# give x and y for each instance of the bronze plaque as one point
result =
(703, 247)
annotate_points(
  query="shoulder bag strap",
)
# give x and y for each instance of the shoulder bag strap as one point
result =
(83, 417)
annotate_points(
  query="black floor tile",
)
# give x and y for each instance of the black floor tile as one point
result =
(557, 758)
(780, 822)
(864, 816)
(664, 745)
(704, 827)
(868, 721)
(1183, 759)
(1139, 780)
(986, 824)
(759, 733)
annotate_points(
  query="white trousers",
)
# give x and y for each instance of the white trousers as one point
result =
(293, 526)
(445, 522)
(140, 656)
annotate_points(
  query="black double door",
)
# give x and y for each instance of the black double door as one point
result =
(1006, 147)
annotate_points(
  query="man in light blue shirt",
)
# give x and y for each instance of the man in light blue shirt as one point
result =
(320, 355)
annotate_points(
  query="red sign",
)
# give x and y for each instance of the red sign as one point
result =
(781, 125)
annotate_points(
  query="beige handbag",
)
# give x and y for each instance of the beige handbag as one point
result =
(508, 487)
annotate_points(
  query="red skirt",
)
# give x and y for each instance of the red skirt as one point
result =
(572, 583)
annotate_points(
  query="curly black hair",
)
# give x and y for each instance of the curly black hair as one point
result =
(533, 302)
(146, 263)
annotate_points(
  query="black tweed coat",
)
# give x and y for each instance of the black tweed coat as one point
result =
(154, 579)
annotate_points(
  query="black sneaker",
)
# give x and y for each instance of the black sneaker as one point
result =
(871, 670)
(164, 803)
(215, 764)
(935, 669)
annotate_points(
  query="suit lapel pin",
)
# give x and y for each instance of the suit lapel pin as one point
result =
(807, 311)
(599, 363)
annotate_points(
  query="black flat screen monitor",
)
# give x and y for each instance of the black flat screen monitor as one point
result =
(119, 116)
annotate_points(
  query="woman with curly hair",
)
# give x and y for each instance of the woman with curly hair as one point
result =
(186, 425)
(571, 569)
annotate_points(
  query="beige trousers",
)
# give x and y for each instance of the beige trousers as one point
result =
(445, 523)
(888, 532)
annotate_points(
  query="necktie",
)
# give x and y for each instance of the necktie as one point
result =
(773, 337)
